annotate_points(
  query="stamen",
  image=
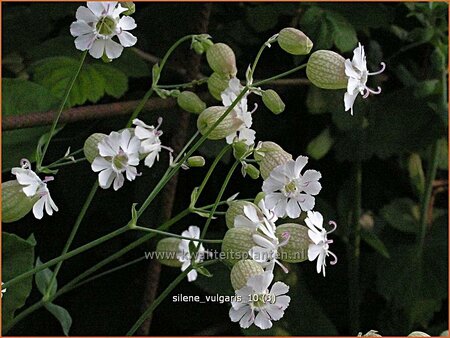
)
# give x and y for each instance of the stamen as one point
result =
(48, 179)
(160, 121)
(286, 236)
(373, 91)
(254, 109)
(334, 225)
(335, 258)
(285, 270)
(25, 163)
(383, 67)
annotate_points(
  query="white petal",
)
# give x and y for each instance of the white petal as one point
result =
(192, 276)
(293, 210)
(84, 42)
(271, 200)
(261, 282)
(97, 8)
(38, 208)
(306, 201)
(81, 28)
(150, 159)
(118, 181)
(237, 314)
(279, 288)
(349, 70)
(262, 321)
(131, 173)
(194, 231)
(113, 49)
(300, 163)
(100, 164)
(263, 242)
(97, 49)
(283, 301)
(280, 208)
(133, 146)
(127, 39)
(315, 237)
(251, 213)
(247, 320)
(349, 100)
(314, 251)
(127, 23)
(105, 178)
(275, 312)
(243, 222)
(85, 14)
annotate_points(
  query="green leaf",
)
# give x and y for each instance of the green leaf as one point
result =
(17, 258)
(43, 279)
(204, 271)
(402, 214)
(92, 83)
(344, 35)
(62, 315)
(375, 242)
(134, 214)
(20, 97)
(320, 145)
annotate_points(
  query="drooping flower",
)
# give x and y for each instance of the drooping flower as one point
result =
(96, 26)
(288, 192)
(357, 73)
(186, 257)
(34, 186)
(320, 247)
(150, 143)
(258, 305)
(119, 154)
(244, 133)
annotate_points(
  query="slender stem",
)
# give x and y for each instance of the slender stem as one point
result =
(169, 234)
(211, 169)
(158, 301)
(258, 56)
(61, 108)
(25, 313)
(139, 107)
(184, 85)
(192, 139)
(72, 235)
(219, 197)
(171, 50)
(69, 162)
(68, 255)
(293, 70)
(354, 253)
(76, 152)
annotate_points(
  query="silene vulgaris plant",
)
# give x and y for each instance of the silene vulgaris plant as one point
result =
(256, 247)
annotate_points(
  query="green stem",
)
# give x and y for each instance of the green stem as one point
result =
(72, 235)
(219, 197)
(158, 301)
(258, 56)
(69, 162)
(139, 107)
(61, 108)
(68, 255)
(184, 85)
(182, 151)
(354, 253)
(279, 76)
(76, 152)
(169, 234)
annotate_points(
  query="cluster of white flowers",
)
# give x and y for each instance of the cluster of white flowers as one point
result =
(34, 186)
(119, 153)
(356, 70)
(97, 25)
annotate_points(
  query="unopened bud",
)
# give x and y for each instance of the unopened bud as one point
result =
(237, 208)
(242, 271)
(15, 204)
(273, 101)
(167, 250)
(296, 249)
(211, 115)
(190, 102)
(217, 83)
(91, 146)
(252, 171)
(196, 161)
(130, 6)
(240, 149)
(294, 41)
(221, 59)
(326, 69)
(236, 244)
(269, 156)
(259, 197)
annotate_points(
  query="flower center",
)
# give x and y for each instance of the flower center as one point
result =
(120, 161)
(290, 188)
(259, 300)
(106, 25)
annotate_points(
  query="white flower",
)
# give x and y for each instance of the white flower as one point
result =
(256, 298)
(357, 73)
(318, 235)
(3, 290)
(288, 192)
(34, 186)
(97, 24)
(119, 153)
(150, 142)
(250, 219)
(241, 109)
(185, 256)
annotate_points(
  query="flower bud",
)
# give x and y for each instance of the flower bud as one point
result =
(190, 102)
(128, 5)
(273, 101)
(296, 249)
(269, 156)
(15, 204)
(236, 244)
(167, 250)
(252, 171)
(196, 161)
(326, 69)
(211, 115)
(198, 48)
(294, 41)
(236, 208)
(259, 197)
(217, 84)
(240, 149)
(91, 146)
(418, 334)
(242, 271)
(221, 59)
